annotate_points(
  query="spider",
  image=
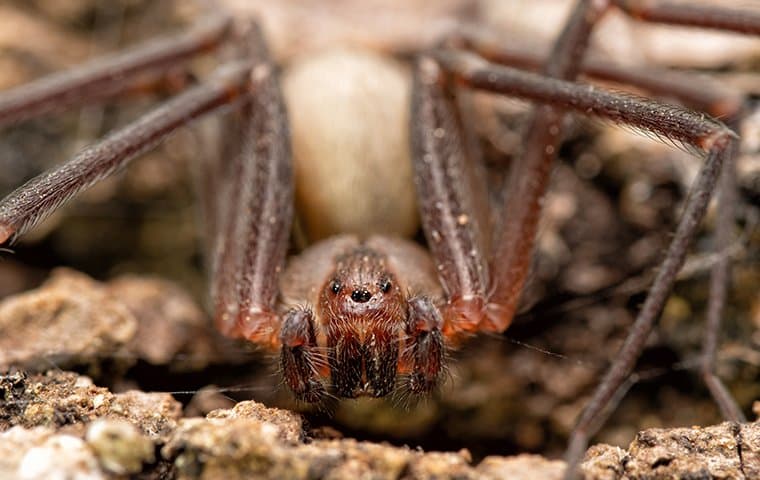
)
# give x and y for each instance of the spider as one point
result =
(357, 316)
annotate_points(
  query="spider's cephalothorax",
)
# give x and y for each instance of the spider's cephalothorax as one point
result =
(368, 323)
(361, 311)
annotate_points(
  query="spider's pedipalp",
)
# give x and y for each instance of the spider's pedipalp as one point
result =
(424, 345)
(300, 356)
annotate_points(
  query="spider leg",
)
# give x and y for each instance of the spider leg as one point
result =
(747, 22)
(29, 204)
(254, 212)
(529, 175)
(482, 296)
(728, 106)
(719, 283)
(446, 199)
(661, 11)
(697, 92)
(108, 77)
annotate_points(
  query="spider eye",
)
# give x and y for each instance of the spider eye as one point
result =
(385, 285)
(335, 286)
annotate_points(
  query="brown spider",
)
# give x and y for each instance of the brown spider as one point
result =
(357, 316)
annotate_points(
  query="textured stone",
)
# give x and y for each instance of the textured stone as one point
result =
(93, 433)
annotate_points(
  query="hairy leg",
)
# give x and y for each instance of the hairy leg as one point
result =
(255, 210)
(29, 204)
(697, 92)
(529, 175)
(716, 140)
(108, 77)
(446, 199)
(673, 13)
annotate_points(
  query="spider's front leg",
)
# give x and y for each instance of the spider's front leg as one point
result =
(253, 211)
(483, 297)
(445, 183)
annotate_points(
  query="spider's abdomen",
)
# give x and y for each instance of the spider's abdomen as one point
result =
(349, 116)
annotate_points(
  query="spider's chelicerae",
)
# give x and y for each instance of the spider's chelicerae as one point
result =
(364, 314)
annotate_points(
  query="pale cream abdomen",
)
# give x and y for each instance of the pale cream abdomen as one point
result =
(349, 116)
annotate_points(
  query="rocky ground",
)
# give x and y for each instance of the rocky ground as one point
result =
(60, 425)
(80, 347)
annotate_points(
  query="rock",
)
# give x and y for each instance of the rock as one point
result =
(65, 400)
(74, 320)
(15, 442)
(120, 447)
(520, 467)
(728, 450)
(441, 465)
(289, 423)
(111, 447)
(245, 447)
(155, 414)
(90, 432)
(69, 320)
(249, 442)
(171, 327)
(604, 462)
(59, 457)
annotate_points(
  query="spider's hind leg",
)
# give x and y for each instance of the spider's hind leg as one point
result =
(138, 68)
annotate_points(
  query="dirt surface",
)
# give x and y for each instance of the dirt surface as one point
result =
(60, 424)
(130, 311)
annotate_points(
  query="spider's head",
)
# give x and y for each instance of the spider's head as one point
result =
(362, 312)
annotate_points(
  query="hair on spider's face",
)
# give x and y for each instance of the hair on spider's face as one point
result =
(363, 313)
(365, 320)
